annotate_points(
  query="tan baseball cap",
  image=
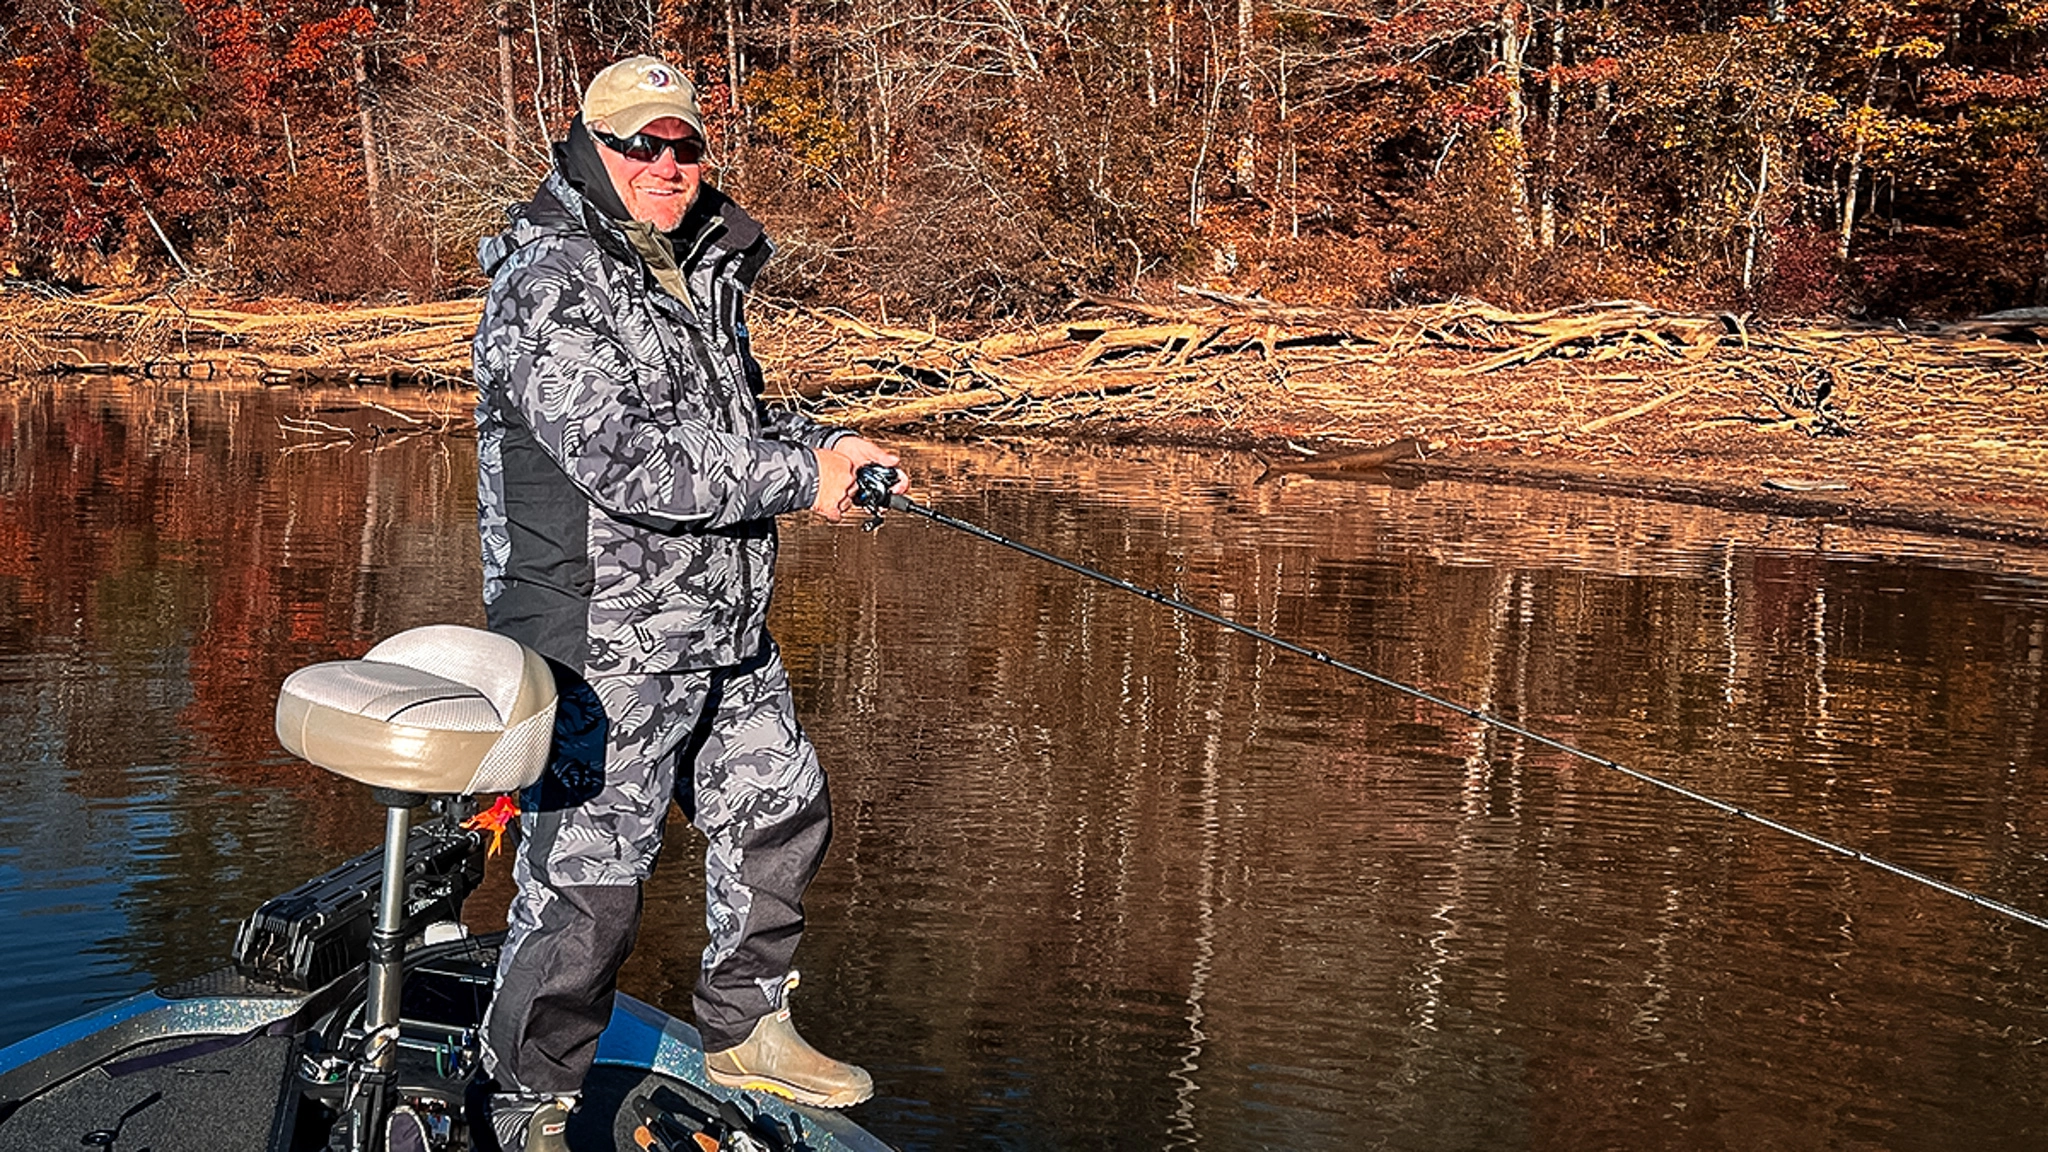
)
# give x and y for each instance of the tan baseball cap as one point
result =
(635, 92)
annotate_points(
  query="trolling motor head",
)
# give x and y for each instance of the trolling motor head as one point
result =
(871, 490)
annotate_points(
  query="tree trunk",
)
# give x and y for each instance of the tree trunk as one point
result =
(881, 126)
(1212, 108)
(1849, 190)
(540, 73)
(364, 101)
(1857, 152)
(566, 65)
(1286, 173)
(157, 228)
(510, 105)
(1552, 97)
(1603, 93)
(1517, 115)
(1151, 73)
(1244, 169)
(1172, 53)
(732, 59)
(14, 203)
(1756, 215)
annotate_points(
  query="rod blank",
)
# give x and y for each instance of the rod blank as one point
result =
(901, 503)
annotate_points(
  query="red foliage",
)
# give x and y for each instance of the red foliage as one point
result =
(1587, 75)
(316, 41)
(237, 46)
(54, 123)
(988, 157)
(1947, 87)
(260, 50)
(1804, 278)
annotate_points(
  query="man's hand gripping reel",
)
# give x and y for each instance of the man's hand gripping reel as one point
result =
(871, 490)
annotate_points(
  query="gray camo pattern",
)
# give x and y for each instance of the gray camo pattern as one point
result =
(725, 744)
(651, 407)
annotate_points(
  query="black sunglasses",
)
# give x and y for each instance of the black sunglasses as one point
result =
(646, 148)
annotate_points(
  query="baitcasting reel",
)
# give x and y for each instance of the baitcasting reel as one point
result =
(871, 485)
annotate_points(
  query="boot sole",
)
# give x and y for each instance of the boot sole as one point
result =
(844, 1098)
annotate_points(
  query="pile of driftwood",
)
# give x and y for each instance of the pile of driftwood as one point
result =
(1203, 357)
(1454, 373)
(290, 345)
(1445, 371)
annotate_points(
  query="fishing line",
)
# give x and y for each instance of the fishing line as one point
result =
(872, 493)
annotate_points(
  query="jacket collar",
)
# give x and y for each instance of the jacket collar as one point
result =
(714, 218)
(559, 207)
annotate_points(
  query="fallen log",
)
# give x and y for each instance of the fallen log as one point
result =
(91, 368)
(1103, 383)
(316, 377)
(1370, 460)
(1643, 409)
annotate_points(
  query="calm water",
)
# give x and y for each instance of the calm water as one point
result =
(1106, 876)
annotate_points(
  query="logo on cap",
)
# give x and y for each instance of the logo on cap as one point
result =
(657, 77)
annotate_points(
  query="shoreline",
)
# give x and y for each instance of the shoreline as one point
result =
(1896, 510)
(1891, 508)
(1939, 432)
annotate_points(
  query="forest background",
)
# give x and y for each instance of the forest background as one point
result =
(977, 159)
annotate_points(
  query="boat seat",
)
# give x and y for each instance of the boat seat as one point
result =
(439, 709)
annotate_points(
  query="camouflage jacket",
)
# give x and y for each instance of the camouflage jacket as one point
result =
(628, 474)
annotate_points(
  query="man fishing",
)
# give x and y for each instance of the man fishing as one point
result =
(629, 477)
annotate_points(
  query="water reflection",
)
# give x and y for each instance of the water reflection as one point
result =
(1107, 876)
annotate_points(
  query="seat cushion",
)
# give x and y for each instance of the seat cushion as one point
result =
(437, 709)
(396, 694)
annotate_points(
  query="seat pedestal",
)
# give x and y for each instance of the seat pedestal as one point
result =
(387, 940)
(440, 710)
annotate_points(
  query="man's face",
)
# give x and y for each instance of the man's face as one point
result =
(658, 191)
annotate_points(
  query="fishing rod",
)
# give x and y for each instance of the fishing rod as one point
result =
(872, 491)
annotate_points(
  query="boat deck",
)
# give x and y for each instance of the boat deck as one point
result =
(221, 1062)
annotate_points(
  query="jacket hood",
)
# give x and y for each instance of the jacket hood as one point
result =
(562, 207)
(576, 159)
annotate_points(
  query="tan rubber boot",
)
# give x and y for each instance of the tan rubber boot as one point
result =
(774, 1059)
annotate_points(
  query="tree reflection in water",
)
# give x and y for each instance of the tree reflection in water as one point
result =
(1110, 877)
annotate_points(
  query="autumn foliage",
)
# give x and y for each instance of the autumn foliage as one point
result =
(988, 157)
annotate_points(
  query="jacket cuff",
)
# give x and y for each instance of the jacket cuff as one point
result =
(780, 478)
(806, 467)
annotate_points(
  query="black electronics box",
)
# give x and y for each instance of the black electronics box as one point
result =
(320, 930)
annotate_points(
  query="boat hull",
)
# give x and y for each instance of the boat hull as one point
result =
(224, 1062)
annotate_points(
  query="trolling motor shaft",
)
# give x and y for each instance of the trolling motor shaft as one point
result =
(872, 484)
